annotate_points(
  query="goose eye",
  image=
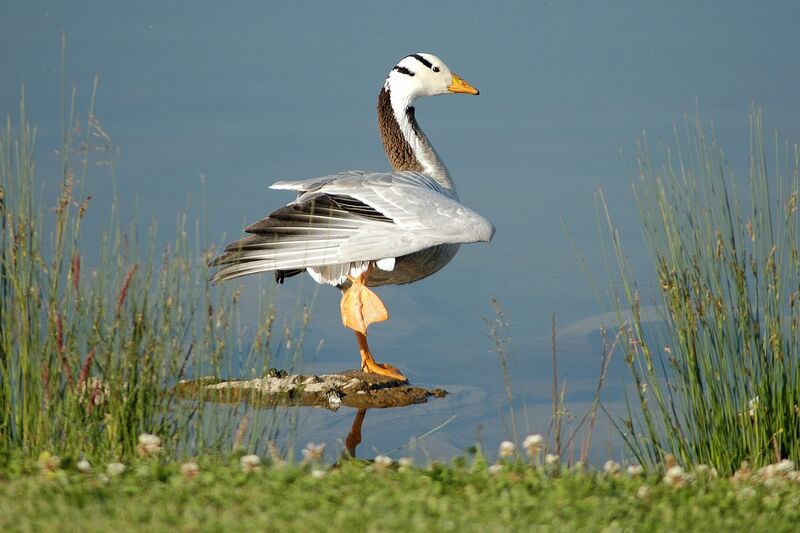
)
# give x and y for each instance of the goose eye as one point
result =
(435, 69)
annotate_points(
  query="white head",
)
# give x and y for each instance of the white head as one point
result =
(424, 75)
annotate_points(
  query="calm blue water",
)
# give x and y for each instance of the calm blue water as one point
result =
(249, 93)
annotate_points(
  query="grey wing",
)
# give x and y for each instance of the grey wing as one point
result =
(352, 217)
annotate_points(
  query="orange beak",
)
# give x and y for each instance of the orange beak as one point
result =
(460, 86)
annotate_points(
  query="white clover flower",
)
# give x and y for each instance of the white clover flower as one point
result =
(313, 452)
(149, 444)
(83, 466)
(635, 470)
(495, 469)
(675, 476)
(250, 463)
(318, 473)
(115, 469)
(767, 471)
(507, 449)
(405, 462)
(611, 467)
(190, 469)
(533, 444)
(552, 458)
(382, 462)
(643, 493)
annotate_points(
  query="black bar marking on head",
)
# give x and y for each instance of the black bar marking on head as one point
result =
(422, 60)
(403, 70)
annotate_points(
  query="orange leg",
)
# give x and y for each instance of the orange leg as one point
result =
(361, 307)
(368, 363)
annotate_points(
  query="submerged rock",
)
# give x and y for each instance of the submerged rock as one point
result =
(351, 388)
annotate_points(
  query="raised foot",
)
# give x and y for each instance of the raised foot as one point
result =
(383, 369)
(361, 307)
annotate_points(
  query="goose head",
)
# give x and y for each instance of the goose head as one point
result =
(424, 75)
(407, 147)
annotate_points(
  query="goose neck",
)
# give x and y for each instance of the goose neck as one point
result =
(406, 145)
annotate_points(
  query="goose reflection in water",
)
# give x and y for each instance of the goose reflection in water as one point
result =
(354, 437)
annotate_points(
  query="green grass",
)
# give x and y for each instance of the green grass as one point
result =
(357, 496)
(718, 382)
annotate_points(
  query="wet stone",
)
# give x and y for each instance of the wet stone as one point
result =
(351, 388)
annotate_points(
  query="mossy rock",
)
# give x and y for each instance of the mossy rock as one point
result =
(351, 388)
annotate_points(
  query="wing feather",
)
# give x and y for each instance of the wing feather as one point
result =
(352, 217)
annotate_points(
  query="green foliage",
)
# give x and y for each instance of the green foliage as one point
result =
(216, 493)
(718, 381)
(91, 344)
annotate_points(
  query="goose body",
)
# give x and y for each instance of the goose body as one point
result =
(367, 228)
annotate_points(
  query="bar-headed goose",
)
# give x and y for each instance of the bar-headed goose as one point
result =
(358, 228)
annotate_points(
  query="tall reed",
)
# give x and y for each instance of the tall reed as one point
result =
(717, 381)
(94, 335)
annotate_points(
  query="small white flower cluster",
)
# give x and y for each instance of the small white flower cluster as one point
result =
(675, 476)
(84, 466)
(405, 462)
(781, 469)
(533, 445)
(250, 463)
(115, 469)
(507, 449)
(190, 470)
(635, 470)
(552, 459)
(777, 474)
(773, 475)
(495, 469)
(313, 452)
(382, 462)
(611, 468)
(705, 471)
(148, 445)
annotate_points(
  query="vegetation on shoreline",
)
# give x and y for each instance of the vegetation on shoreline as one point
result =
(240, 492)
(718, 380)
(90, 350)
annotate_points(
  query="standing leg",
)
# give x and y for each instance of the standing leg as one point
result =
(368, 363)
(361, 307)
